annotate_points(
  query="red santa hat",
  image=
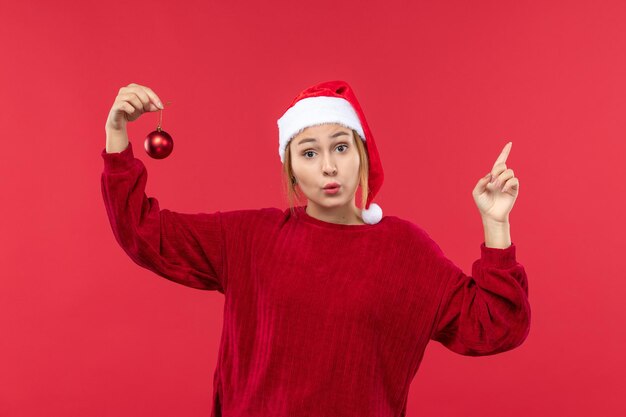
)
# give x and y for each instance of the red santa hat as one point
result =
(334, 102)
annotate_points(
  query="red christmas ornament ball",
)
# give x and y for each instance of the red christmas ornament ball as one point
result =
(159, 144)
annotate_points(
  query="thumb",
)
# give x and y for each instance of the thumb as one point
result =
(481, 185)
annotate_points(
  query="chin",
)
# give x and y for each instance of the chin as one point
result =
(330, 202)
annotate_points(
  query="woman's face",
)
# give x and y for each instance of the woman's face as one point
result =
(324, 154)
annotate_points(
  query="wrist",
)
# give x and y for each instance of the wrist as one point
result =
(497, 233)
(115, 127)
(116, 140)
(490, 222)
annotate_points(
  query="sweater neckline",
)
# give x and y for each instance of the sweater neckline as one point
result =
(304, 216)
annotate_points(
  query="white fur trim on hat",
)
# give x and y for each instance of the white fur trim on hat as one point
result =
(373, 214)
(312, 111)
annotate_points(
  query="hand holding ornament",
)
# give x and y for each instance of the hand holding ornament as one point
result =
(131, 102)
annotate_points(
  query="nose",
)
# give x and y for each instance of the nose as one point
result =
(329, 167)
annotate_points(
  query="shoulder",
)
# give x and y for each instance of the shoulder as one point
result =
(411, 232)
(249, 217)
(400, 225)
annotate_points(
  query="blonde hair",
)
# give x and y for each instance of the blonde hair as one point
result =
(293, 194)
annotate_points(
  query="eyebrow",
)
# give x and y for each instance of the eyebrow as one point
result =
(314, 140)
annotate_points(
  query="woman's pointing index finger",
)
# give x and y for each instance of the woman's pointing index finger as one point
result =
(504, 154)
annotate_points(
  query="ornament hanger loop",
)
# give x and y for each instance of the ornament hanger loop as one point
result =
(161, 116)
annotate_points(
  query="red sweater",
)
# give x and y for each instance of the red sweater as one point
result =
(319, 318)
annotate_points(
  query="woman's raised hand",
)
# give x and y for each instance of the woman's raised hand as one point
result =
(495, 194)
(131, 102)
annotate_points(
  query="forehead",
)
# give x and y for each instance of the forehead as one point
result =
(322, 130)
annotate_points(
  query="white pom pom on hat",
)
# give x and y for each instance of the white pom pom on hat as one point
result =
(334, 102)
(373, 214)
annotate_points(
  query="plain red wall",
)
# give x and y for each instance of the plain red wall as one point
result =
(86, 332)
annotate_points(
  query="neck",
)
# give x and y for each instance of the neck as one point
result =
(347, 214)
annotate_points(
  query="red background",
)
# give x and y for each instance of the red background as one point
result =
(86, 332)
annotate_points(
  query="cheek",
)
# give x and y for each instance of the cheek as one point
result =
(303, 172)
(355, 164)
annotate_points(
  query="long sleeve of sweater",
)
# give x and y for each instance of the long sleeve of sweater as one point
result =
(487, 312)
(184, 248)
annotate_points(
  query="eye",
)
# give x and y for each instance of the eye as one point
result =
(310, 151)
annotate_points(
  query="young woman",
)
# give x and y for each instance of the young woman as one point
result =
(328, 307)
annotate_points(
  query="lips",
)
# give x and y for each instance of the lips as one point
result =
(331, 186)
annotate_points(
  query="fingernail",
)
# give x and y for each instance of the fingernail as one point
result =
(160, 105)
